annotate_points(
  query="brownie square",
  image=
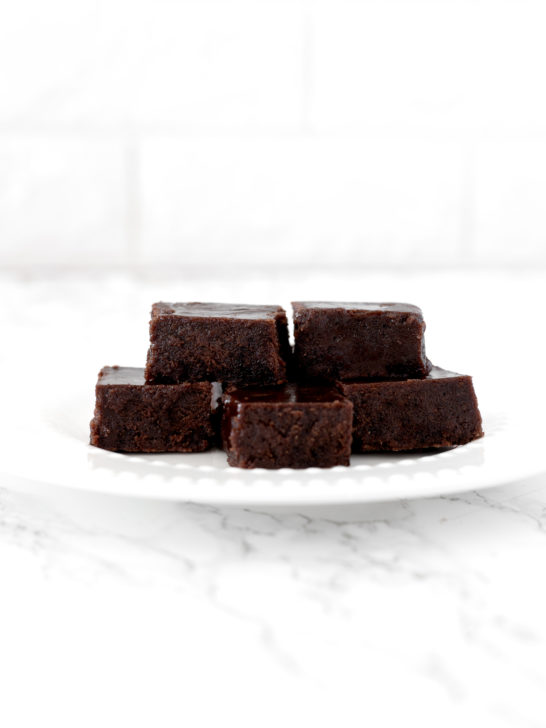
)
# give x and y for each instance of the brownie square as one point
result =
(438, 411)
(359, 340)
(287, 427)
(132, 416)
(217, 342)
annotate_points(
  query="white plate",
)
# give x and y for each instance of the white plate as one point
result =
(60, 455)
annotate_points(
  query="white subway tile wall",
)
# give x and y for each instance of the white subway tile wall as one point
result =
(62, 201)
(383, 201)
(326, 132)
(433, 66)
(510, 192)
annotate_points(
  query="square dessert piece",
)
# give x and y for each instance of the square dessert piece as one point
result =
(359, 340)
(132, 416)
(221, 342)
(438, 411)
(286, 427)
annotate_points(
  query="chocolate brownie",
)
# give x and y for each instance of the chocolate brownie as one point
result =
(359, 340)
(287, 427)
(221, 342)
(131, 416)
(438, 411)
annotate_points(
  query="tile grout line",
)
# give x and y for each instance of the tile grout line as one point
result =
(132, 197)
(296, 131)
(308, 67)
(468, 206)
(40, 269)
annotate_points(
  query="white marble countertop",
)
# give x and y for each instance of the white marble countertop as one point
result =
(119, 612)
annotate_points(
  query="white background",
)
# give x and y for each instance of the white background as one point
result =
(373, 132)
(268, 151)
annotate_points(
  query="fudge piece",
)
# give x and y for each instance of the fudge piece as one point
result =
(359, 340)
(287, 427)
(438, 411)
(132, 416)
(220, 342)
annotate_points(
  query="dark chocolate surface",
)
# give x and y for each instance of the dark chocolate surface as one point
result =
(351, 340)
(217, 342)
(131, 416)
(438, 411)
(287, 427)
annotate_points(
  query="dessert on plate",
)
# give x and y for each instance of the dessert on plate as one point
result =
(357, 380)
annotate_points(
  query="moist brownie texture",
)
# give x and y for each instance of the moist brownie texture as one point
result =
(359, 340)
(217, 342)
(438, 411)
(287, 427)
(131, 416)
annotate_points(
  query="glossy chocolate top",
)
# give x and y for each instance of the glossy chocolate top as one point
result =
(438, 373)
(365, 307)
(134, 376)
(121, 375)
(287, 394)
(196, 309)
(434, 373)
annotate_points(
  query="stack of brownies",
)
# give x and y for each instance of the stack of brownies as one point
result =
(357, 379)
